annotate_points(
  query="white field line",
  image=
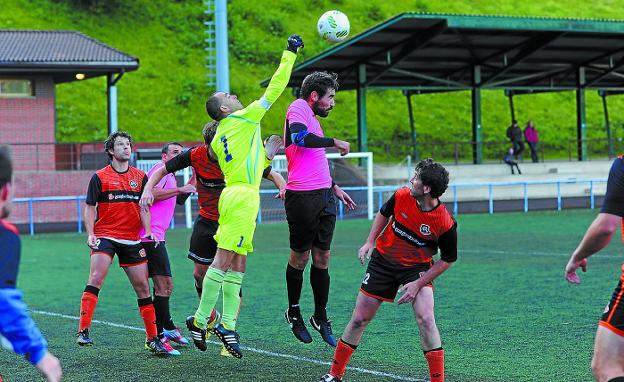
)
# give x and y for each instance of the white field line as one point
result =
(251, 349)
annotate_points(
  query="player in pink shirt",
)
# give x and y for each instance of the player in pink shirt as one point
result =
(310, 201)
(165, 194)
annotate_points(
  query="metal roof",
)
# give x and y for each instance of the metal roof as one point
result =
(439, 53)
(59, 53)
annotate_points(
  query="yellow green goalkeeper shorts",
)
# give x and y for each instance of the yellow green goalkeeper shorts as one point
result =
(238, 210)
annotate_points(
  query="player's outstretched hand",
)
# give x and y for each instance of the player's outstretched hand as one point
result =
(364, 253)
(147, 199)
(409, 290)
(93, 242)
(295, 42)
(344, 197)
(570, 270)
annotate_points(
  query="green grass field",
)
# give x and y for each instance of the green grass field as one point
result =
(504, 310)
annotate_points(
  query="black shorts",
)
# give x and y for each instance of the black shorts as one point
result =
(203, 246)
(129, 254)
(311, 218)
(383, 279)
(613, 316)
(157, 259)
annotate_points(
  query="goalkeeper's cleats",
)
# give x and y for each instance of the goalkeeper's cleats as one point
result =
(330, 378)
(324, 327)
(230, 340)
(197, 334)
(176, 336)
(298, 326)
(82, 338)
(224, 352)
(214, 319)
(272, 145)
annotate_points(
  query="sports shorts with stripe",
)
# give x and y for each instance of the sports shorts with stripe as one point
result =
(613, 315)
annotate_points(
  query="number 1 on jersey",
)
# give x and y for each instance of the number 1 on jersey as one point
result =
(228, 156)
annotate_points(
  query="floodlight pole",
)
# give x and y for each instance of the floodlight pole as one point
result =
(581, 127)
(477, 144)
(223, 68)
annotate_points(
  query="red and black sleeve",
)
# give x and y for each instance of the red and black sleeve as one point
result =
(614, 198)
(387, 209)
(448, 245)
(94, 191)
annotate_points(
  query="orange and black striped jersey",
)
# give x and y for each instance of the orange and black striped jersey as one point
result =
(413, 236)
(210, 180)
(117, 195)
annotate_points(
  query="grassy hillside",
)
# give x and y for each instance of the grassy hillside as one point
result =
(164, 98)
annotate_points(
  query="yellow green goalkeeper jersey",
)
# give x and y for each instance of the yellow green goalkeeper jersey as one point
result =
(238, 141)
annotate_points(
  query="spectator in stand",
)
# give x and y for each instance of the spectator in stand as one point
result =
(514, 133)
(530, 134)
(511, 161)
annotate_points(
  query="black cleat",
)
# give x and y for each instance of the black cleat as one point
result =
(82, 338)
(230, 339)
(155, 346)
(298, 327)
(324, 327)
(198, 334)
(330, 378)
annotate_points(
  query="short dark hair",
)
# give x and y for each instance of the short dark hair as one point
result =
(6, 166)
(319, 82)
(434, 176)
(213, 107)
(209, 131)
(165, 148)
(109, 143)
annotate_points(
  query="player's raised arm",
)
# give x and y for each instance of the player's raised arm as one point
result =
(280, 78)
(147, 196)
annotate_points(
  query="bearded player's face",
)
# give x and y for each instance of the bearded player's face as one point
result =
(325, 104)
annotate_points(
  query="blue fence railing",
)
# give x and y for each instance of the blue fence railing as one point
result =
(272, 210)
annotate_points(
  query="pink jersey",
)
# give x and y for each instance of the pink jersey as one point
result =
(162, 210)
(307, 167)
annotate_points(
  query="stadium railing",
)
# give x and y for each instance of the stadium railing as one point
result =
(272, 210)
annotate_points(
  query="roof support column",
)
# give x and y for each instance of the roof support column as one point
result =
(477, 144)
(512, 110)
(111, 97)
(603, 94)
(581, 127)
(415, 154)
(361, 109)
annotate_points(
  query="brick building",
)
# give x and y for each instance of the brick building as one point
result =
(31, 64)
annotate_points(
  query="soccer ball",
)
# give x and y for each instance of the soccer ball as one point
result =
(333, 26)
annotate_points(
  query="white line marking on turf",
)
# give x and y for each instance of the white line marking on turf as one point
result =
(254, 350)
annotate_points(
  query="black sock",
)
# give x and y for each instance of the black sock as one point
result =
(199, 289)
(617, 379)
(294, 283)
(163, 317)
(319, 279)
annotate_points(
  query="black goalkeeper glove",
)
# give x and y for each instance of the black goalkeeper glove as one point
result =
(294, 43)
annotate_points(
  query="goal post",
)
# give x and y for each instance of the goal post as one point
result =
(361, 163)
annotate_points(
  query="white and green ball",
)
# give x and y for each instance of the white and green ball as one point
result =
(333, 26)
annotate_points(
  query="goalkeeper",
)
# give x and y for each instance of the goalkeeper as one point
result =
(238, 147)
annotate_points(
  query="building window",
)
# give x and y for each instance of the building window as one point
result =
(15, 88)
